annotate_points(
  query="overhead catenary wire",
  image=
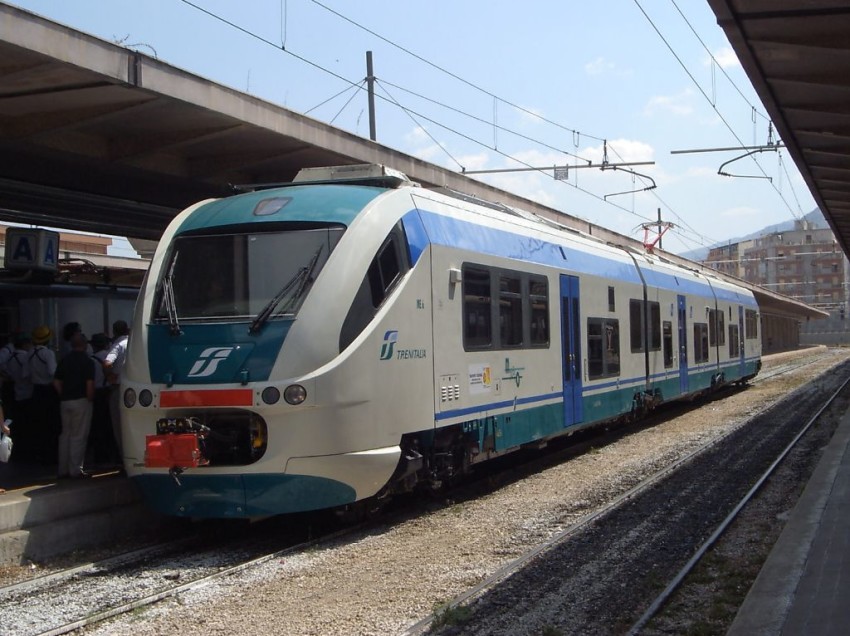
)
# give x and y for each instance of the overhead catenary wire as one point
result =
(755, 110)
(451, 74)
(574, 132)
(708, 99)
(352, 84)
(408, 110)
(483, 121)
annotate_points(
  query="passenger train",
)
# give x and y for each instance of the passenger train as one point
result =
(352, 335)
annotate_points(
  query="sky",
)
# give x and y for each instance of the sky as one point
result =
(499, 84)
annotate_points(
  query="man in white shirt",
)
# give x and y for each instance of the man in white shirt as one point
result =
(44, 421)
(113, 363)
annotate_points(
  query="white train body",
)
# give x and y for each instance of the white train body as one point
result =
(417, 334)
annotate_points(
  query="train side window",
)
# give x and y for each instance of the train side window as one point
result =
(611, 304)
(636, 325)
(603, 348)
(712, 327)
(638, 331)
(721, 328)
(538, 297)
(477, 321)
(733, 341)
(701, 347)
(751, 324)
(510, 310)
(654, 326)
(667, 330)
(716, 327)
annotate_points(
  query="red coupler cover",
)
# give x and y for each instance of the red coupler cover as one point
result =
(173, 450)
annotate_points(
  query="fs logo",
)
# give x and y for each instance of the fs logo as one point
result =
(390, 338)
(207, 363)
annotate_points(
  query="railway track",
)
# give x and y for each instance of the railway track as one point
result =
(87, 594)
(135, 582)
(599, 574)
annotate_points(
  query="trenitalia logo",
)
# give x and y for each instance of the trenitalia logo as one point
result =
(390, 338)
(208, 361)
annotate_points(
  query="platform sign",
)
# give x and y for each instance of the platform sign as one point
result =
(32, 249)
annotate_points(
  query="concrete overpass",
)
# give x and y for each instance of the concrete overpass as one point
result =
(98, 137)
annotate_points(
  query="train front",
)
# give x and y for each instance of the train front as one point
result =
(205, 383)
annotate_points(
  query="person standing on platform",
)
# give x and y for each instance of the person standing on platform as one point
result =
(101, 438)
(6, 431)
(74, 382)
(44, 413)
(113, 363)
(18, 370)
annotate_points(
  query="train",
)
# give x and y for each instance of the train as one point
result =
(351, 335)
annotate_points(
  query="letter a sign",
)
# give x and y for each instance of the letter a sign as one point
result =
(33, 249)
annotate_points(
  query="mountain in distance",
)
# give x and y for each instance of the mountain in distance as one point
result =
(815, 217)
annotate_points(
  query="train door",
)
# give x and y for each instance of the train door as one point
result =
(683, 344)
(571, 338)
(741, 347)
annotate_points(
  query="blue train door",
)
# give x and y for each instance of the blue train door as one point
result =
(571, 337)
(683, 344)
(742, 341)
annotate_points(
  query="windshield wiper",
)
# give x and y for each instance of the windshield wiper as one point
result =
(301, 279)
(168, 299)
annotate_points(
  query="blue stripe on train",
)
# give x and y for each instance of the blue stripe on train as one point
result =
(451, 232)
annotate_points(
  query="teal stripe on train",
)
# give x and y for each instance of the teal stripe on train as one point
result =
(304, 204)
(244, 495)
(216, 353)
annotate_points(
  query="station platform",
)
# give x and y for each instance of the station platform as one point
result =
(804, 586)
(41, 517)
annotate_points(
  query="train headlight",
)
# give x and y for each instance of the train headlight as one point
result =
(129, 398)
(145, 397)
(271, 395)
(295, 394)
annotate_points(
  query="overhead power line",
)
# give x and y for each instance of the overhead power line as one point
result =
(709, 100)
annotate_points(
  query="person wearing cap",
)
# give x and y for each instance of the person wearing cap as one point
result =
(113, 363)
(44, 413)
(18, 370)
(74, 382)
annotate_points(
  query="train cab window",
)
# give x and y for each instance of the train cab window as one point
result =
(265, 275)
(477, 321)
(667, 338)
(538, 297)
(733, 341)
(701, 347)
(510, 310)
(385, 270)
(603, 348)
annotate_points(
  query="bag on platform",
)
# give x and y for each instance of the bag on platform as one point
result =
(5, 447)
(5, 442)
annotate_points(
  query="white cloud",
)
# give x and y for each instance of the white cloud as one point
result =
(679, 104)
(599, 66)
(725, 57)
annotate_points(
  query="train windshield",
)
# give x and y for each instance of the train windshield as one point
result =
(253, 276)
